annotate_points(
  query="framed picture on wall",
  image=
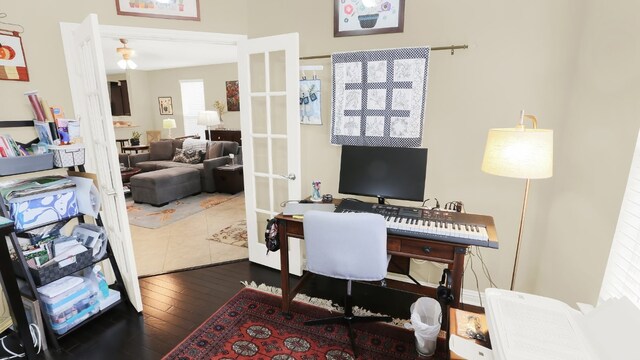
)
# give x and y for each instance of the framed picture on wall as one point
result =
(166, 107)
(164, 9)
(367, 17)
(13, 64)
(233, 96)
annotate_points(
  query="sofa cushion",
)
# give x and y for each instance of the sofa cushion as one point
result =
(214, 150)
(188, 156)
(160, 150)
(150, 165)
(230, 147)
(176, 144)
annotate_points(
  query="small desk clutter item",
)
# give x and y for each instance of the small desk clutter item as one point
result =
(469, 334)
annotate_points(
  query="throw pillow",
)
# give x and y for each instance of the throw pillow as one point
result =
(187, 156)
(215, 150)
(194, 144)
(160, 150)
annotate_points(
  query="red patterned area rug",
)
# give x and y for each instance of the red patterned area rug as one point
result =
(251, 326)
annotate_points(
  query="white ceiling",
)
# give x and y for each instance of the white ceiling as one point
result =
(156, 54)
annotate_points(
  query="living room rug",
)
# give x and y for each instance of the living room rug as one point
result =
(152, 217)
(251, 325)
(234, 234)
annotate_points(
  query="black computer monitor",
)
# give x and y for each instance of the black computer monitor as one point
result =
(383, 172)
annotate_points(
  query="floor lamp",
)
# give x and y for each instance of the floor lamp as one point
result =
(519, 153)
(169, 124)
(208, 119)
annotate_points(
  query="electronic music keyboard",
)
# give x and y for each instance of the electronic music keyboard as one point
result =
(448, 226)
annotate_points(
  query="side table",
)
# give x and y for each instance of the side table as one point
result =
(126, 178)
(229, 178)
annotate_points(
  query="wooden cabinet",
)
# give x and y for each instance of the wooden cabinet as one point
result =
(227, 135)
(119, 96)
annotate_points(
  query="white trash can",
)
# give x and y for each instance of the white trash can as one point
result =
(425, 322)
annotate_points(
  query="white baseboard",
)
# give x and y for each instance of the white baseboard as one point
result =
(469, 296)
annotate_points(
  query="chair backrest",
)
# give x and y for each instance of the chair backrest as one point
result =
(349, 246)
(153, 135)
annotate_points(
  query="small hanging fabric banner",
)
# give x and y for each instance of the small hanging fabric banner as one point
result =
(13, 65)
(378, 97)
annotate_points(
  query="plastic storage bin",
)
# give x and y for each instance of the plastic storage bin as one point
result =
(72, 302)
(68, 155)
(25, 164)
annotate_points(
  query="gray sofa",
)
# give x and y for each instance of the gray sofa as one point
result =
(161, 153)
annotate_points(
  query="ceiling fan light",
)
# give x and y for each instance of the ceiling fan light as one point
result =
(131, 65)
(122, 64)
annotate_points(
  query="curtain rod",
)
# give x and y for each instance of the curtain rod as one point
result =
(453, 48)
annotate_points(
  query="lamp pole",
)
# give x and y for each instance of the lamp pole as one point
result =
(520, 230)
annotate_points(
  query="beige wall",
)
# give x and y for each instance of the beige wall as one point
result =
(43, 43)
(513, 63)
(572, 63)
(146, 86)
(594, 143)
(167, 83)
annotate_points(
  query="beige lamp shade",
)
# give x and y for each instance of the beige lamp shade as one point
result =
(519, 153)
(208, 118)
(169, 124)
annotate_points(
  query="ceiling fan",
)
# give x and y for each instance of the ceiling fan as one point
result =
(126, 53)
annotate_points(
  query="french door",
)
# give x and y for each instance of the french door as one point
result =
(269, 96)
(88, 81)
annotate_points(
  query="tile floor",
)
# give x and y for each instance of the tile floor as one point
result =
(184, 244)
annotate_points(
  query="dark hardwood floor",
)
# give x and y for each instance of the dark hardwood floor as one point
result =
(176, 304)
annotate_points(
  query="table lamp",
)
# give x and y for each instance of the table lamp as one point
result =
(169, 124)
(208, 119)
(519, 153)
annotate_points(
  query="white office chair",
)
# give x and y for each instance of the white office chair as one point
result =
(351, 246)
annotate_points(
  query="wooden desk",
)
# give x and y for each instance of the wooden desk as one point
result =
(135, 148)
(407, 247)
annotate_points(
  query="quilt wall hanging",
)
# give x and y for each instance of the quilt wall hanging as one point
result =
(13, 65)
(378, 97)
(310, 111)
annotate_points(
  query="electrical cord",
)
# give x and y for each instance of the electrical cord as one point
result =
(485, 269)
(36, 337)
(437, 206)
(457, 206)
(470, 262)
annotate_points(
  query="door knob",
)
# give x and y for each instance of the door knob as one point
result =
(291, 176)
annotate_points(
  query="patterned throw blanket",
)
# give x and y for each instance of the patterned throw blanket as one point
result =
(378, 97)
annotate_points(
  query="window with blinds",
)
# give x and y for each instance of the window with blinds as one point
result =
(622, 275)
(192, 93)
